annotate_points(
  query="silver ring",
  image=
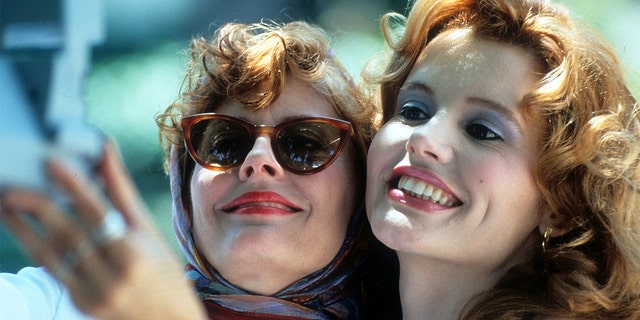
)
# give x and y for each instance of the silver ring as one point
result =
(112, 228)
(72, 258)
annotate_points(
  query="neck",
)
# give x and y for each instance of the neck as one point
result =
(437, 290)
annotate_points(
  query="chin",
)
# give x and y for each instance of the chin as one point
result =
(392, 228)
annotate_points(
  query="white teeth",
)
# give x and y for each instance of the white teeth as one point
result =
(423, 190)
(409, 183)
(428, 191)
(436, 195)
(418, 188)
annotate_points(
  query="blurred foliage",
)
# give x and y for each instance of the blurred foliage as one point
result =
(127, 88)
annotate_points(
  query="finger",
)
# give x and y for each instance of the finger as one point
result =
(89, 207)
(43, 212)
(28, 238)
(84, 195)
(125, 196)
(47, 234)
(121, 189)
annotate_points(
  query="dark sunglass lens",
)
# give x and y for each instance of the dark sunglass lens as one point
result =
(220, 142)
(307, 145)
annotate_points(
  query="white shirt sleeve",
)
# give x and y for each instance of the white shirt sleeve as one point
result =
(33, 294)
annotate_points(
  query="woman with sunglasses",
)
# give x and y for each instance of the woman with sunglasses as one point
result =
(266, 156)
(267, 152)
(506, 175)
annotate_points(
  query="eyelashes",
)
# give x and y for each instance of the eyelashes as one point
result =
(481, 132)
(414, 111)
(479, 127)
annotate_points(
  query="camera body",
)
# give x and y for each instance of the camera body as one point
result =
(44, 58)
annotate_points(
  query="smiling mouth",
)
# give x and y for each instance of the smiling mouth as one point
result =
(423, 190)
(261, 202)
(263, 205)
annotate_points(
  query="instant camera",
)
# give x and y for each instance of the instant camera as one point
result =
(45, 53)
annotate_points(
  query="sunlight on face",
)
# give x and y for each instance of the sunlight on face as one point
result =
(261, 226)
(450, 176)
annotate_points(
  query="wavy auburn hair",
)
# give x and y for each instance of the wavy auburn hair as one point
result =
(589, 151)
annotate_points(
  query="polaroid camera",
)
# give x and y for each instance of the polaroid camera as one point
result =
(44, 57)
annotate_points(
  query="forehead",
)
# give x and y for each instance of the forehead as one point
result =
(297, 99)
(459, 60)
(467, 50)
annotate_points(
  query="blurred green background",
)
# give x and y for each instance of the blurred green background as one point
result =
(136, 72)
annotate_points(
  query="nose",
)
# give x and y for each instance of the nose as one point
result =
(261, 161)
(432, 140)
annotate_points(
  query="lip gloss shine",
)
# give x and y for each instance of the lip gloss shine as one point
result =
(261, 202)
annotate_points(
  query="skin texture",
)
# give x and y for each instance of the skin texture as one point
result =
(264, 253)
(460, 128)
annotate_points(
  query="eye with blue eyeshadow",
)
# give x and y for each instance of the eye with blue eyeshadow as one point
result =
(480, 131)
(487, 125)
(415, 106)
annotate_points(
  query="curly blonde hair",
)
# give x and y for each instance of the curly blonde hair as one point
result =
(249, 63)
(588, 168)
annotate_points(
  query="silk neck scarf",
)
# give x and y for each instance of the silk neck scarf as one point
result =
(333, 292)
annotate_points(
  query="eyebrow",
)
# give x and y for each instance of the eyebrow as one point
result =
(487, 104)
(416, 86)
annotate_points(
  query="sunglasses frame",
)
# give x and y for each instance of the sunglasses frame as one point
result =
(187, 122)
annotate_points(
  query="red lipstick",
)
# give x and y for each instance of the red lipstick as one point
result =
(261, 202)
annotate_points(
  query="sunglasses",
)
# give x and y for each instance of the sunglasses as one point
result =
(302, 146)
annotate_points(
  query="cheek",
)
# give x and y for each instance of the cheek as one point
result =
(196, 187)
(333, 197)
(205, 188)
(387, 148)
(505, 209)
(507, 183)
(341, 185)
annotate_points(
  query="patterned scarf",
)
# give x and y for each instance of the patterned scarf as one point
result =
(333, 292)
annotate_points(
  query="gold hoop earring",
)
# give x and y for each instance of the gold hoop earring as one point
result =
(545, 238)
